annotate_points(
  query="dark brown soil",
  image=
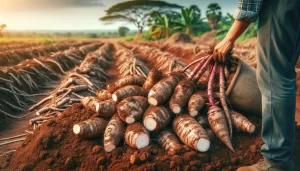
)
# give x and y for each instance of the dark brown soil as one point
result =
(54, 146)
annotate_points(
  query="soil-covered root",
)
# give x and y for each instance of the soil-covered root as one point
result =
(128, 91)
(203, 121)
(90, 128)
(113, 133)
(169, 141)
(153, 77)
(218, 124)
(241, 122)
(162, 91)
(156, 118)
(125, 81)
(104, 109)
(103, 94)
(132, 108)
(183, 91)
(197, 102)
(191, 132)
(137, 136)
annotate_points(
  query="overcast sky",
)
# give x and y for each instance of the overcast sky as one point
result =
(75, 14)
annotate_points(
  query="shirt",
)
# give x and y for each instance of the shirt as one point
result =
(248, 10)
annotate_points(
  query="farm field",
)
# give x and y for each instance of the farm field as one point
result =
(49, 80)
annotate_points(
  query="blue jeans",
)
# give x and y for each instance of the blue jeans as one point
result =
(278, 50)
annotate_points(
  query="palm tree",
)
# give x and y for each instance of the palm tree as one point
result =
(213, 14)
(160, 25)
(190, 19)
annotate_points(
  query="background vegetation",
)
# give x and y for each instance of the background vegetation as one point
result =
(153, 20)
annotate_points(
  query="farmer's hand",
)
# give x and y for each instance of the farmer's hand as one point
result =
(222, 50)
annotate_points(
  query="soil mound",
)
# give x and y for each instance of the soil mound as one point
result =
(179, 38)
(53, 145)
(206, 38)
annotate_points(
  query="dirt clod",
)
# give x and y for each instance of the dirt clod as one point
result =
(97, 149)
(101, 160)
(253, 148)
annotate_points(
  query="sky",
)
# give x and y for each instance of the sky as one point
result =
(76, 14)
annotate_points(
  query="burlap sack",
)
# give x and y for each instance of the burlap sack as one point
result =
(243, 92)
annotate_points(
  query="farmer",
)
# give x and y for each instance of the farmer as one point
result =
(278, 50)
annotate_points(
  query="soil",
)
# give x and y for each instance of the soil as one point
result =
(54, 146)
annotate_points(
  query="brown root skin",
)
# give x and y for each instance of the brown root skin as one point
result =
(203, 81)
(191, 132)
(128, 91)
(183, 91)
(113, 133)
(153, 77)
(156, 118)
(241, 122)
(196, 102)
(218, 125)
(103, 94)
(124, 81)
(169, 141)
(90, 128)
(137, 136)
(104, 109)
(162, 91)
(131, 109)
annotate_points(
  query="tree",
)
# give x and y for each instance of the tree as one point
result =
(213, 14)
(2, 26)
(123, 31)
(160, 25)
(135, 11)
(190, 19)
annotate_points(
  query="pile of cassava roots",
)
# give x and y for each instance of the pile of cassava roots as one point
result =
(176, 109)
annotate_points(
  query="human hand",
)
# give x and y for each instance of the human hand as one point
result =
(222, 50)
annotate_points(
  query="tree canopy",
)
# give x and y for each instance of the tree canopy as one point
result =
(136, 11)
(190, 19)
(123, 31)
(213, 14)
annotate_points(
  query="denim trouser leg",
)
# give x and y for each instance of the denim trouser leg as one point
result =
(278, 50)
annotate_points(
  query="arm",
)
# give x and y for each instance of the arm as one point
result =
(246, 13)
(225, 46)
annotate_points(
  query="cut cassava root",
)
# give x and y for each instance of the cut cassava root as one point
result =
(156, 118)
(162, 91)
(103, 94)
(191, 132)
(183, 91)
(153, 77)
(241, 122)
(197, 102)
(105, 108)
(127, 91)
(90, 128)
(137, 136)
(113, 133)
(125, 81)
(169, 141)
(131, 109)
